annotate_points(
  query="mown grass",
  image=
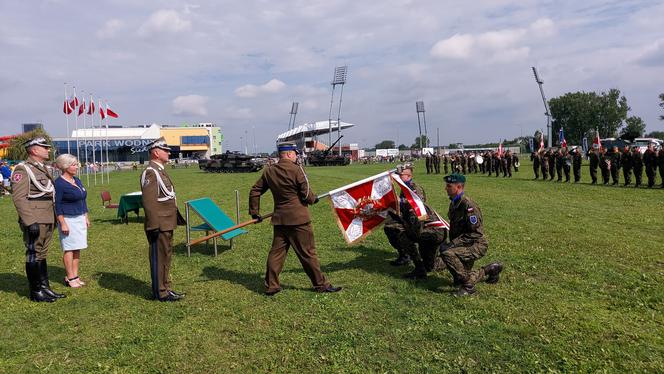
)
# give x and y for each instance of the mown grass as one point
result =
(582, 290)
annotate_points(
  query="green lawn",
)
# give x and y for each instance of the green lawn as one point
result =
(582, 290)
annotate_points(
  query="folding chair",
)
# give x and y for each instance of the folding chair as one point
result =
(106, 200)
(214, 220)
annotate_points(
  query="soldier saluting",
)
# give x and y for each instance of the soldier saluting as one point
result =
(161, 217)
(33, 195)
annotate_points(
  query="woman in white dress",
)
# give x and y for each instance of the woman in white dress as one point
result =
(72, 213)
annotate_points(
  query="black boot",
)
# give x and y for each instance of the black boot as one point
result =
(43, 281)
(36, 293)
(401, 260)
(418, 273)
(466, 289)
(493, 272)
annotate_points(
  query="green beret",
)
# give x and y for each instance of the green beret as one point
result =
(455, 178)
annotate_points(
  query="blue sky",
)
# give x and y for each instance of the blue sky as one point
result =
(241, 66)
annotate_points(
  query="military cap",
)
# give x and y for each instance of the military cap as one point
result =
(159, 143)
(287, 146)
(40, 141)
(401, 168)
(455, 178)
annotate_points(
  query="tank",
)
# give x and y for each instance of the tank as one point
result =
(325, 158)
(230, 162)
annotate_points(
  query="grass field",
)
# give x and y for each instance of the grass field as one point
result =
(582, 290)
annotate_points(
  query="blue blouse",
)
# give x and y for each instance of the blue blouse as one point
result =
(70, 199)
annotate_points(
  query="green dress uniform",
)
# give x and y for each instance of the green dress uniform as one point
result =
(291, 220)
(33, 196)
(396, 231)
(161, 214)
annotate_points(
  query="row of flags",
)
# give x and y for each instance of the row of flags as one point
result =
(72, 105)
(563, 142)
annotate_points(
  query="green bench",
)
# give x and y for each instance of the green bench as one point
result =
(214, 219)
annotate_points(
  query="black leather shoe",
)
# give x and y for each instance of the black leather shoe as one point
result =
(401, 261)
(170, 298)
(53, 294)
(41, 296)
(178, 294)
(330, 288)
(272, 292)
(493, 272)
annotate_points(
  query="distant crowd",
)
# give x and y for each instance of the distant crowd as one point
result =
(488, 162)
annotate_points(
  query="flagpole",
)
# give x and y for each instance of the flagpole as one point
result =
(85, 141)
(101, 141)
(78, 154)
(108, 171)
(67, 119)
(94, 146)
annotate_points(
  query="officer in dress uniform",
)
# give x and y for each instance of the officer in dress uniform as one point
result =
(467, 242)
(33, 196)
(161, 218)
(394, 227)
(291, 220)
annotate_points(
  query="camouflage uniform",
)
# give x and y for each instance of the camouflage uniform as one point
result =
(534, 157)
(396, 231)
(425, 238)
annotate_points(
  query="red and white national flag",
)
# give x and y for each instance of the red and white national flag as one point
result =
(91, 107)
(110, 113)
(541, 147)
(500, 149)
(81, 108)
(597, 144)
(362, 206)
(101, 111)
(74, 102)
(66, 108)
(411, 198)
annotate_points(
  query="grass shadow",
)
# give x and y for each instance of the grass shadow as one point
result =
(124, 283)
(181, 249)
(16, 283)
(251, 281)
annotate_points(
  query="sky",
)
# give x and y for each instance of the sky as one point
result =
(242, 64)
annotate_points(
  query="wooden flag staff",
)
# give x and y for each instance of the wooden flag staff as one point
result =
(222, 232)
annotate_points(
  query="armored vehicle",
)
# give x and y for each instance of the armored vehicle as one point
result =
(230, 162)
(325, 158)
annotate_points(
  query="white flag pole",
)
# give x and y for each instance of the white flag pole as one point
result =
(101, 140)
(67, 118)
(85, 140)
(94, 145)
(108, 171)
(75, 111)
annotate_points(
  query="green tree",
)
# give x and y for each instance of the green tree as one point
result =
(655, 134)
(402, 147)
(416, 144)
(635, 127)
(580, 112)
(385, 144)
(16, 151)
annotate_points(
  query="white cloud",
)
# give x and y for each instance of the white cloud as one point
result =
(164, 22)
(250, 90)
(543, 27)
(457, 46)
(190, 105)
(500, 39)
(652, 54)
(110, 29)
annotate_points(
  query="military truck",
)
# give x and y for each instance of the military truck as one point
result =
(325, 158)
(230, 162)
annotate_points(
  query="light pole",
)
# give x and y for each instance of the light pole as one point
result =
(340, 74)
(293, 114)
(419, 107)
(540, 82)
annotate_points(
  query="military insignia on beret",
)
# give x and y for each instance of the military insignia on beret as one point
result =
(17, 177)
(473, 219)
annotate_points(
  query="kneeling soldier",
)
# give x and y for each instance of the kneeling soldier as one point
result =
(467, 242)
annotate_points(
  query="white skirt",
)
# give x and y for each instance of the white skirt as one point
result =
(78, 234)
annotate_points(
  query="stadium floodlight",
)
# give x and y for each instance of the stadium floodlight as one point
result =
(547, 113)
(339, 78)
(293, 114)
(340, 74)
(419, 107)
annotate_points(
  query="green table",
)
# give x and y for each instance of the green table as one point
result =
(131, 202)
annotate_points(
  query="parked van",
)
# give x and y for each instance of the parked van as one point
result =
(643, 143)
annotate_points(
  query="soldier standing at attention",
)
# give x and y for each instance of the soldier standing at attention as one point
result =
(626, 163)
(428, 163)
(615, 166)
(291, 220)
(593, 155)
(32, 193)
(577, 159)
(567, 162)
(161, 217)
(544, 157)
(394, 228)
(508, 164)
(535, 158)
(650, 162)
(445, 162)
(637, 164)
(552, 164)
(560, 161)
(604, 165)
(467, 242)
(436, 162)
(462, 161)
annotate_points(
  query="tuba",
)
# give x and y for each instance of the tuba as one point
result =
(479, 159)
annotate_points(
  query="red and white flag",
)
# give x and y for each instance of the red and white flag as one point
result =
(597, 144)
(500, 149)
(411, 198)
(362, 206)
(91, 107)
(81, 108)
(110, 113)
(74, 102)
(101, 111)
(67, 109)
(541, 147)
